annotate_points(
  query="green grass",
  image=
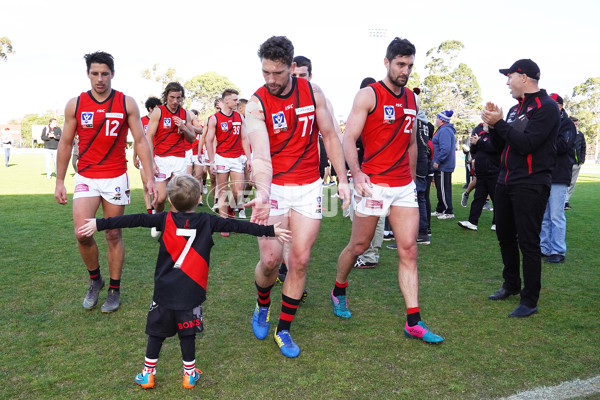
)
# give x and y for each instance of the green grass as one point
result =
(51, 348)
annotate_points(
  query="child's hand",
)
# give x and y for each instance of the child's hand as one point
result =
(89, 227)
(283, 235)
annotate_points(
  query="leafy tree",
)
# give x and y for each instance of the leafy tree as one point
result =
(6, 48)
(585, 104)
(449, 86)
(163, 78)
(203, 89)
(414, 80)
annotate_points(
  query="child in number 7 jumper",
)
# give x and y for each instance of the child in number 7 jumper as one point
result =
(181, 270)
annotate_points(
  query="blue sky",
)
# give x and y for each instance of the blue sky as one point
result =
(195, 37)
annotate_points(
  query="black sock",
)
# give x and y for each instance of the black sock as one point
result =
(95, 274)
(283, 268)
(413, 316)
(289, 307)
(115, 284)
(340, 288)
(264, 295)
(188, 347)
(153, 347)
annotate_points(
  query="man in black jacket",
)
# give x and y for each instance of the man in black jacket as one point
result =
(554, 225)
(527, 139)
(51, 136)
(577, 158)
(487, 160)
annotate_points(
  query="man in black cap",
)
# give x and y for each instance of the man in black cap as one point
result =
(527, 140)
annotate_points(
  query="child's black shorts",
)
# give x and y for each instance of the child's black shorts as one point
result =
(164, 322)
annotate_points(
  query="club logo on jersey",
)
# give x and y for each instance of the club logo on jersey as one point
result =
(224, 126)
(145, 128)
(167, 123)
(389, 114)
(87, 119)
(279, 123)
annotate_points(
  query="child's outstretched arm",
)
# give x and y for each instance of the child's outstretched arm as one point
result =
(283, 235)
(89, 228)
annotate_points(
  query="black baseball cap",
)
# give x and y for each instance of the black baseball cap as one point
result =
(523, 66)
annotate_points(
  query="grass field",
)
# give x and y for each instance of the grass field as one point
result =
(50, 348)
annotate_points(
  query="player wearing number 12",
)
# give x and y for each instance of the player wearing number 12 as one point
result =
(384, 116)
(101, 118)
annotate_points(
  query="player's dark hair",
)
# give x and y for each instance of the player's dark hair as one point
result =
(172, 87)
(99, 57)
(229, 92)
(243, 101)
(50, 120)
(184, 192)
(195, 112)
(151, 103)
(400, 47)
(366, 82)
(277, 48)
(216, 103)
(302, 61)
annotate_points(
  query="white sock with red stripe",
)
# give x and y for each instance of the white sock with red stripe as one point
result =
(189, 367)
(150, 366)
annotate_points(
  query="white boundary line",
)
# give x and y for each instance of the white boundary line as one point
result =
(566, 390)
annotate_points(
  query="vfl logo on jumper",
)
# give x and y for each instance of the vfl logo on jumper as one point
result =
(389, 114)
(87, 119)
(118, 196)
(279, 123)
(224, 126)
(167, 123)
(145, 128)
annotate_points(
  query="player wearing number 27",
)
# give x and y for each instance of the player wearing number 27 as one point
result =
(384, 115)
(101, 118)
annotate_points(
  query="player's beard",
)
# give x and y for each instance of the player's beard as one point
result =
(278, 90)
(399, 80)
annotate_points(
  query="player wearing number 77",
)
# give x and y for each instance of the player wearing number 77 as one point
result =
(283, 119)
(384, 116)
(181, 269)
(101, 118)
